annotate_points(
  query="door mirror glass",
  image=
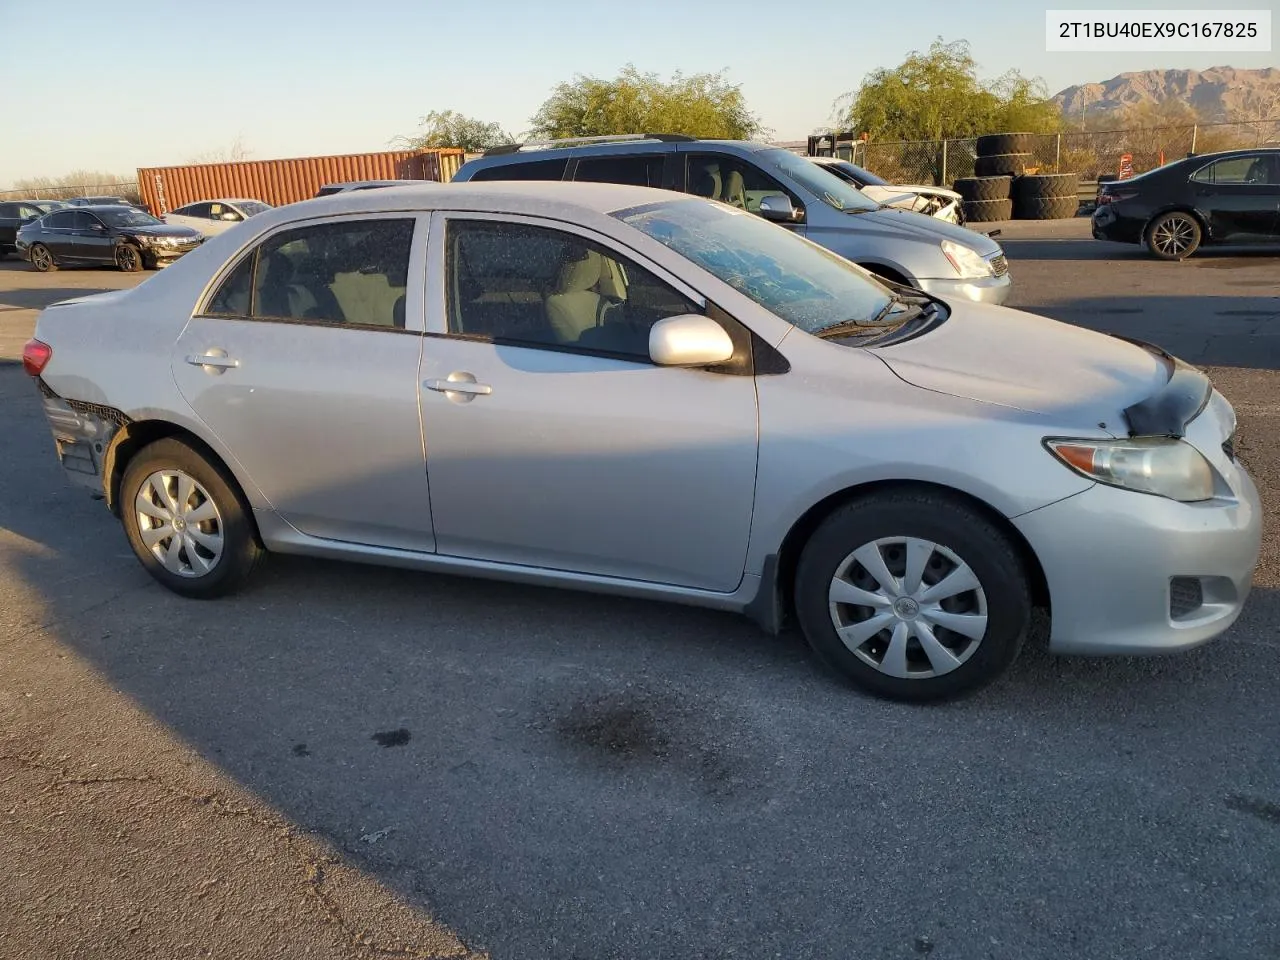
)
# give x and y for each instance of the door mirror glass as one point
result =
(689, 340)
(778, 208)
(97, 228)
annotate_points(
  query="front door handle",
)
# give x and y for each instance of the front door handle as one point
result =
(214, 359)
(460, 386)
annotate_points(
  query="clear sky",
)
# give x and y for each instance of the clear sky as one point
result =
(92, 85)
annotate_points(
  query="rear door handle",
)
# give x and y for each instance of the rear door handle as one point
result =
(460, 386)
(221, 361)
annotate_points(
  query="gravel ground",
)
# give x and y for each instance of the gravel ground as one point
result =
(326, 762)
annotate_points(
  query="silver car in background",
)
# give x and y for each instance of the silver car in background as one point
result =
(622, 390)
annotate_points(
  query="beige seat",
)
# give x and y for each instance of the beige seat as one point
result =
(575, 305)
(735, 191)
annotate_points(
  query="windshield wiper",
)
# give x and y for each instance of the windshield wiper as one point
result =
(871, 327)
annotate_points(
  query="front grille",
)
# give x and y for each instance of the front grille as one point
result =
(1229, 447)
(1186, 596)
(999, 265)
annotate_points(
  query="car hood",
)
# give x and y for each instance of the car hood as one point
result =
(910, 188)
(922, 227)
(161, 230)
(1027, 362)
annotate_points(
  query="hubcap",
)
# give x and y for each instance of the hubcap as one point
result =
(908, 607)
(1174, 236)
(179, 523)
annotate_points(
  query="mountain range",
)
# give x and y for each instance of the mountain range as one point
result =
(1217, 94)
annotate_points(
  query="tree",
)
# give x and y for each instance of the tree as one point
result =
(234, 153)
(699, 105)
(937, 95)
(446, 128)
(79, 183)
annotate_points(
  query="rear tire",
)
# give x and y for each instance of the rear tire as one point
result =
(987, 211)
(172, 492)
(1174, 236)
(42, 259)
(956, 629)
(983, 188)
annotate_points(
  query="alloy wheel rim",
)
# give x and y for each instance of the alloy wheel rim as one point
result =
(41, 256)
(179, 523)
(908, 607)
(125, 257)
(1174, 236)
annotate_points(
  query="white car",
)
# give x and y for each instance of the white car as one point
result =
(932, 201)
(212, 217)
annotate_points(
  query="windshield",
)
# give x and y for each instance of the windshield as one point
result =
(251, 208)
(864, 176)
(794, 278)
(822, 183)
(127, 217)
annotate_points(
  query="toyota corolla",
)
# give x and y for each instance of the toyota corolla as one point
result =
(616, 389)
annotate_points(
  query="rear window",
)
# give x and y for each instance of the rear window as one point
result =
(531, 170)
(644, 171)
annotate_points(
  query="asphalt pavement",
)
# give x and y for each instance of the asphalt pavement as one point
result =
(353, 761)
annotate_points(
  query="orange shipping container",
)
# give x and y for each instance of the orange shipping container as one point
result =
(278, 182)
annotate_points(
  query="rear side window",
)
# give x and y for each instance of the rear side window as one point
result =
(533, 170)
(352, 272)
(8, 210)
(645, 171)
(193, 210)
(59, 221)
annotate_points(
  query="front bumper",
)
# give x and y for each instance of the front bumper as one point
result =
(985, 290)
(1122, 567)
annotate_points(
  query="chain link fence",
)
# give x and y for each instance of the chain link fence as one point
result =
(126, 189)
(1086, 153)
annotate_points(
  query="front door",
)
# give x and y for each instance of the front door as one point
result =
(92, 240)
(304, 367)
(552, 440)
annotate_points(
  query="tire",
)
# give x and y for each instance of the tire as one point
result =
(1001, 165)
(1046, 208)
(195, 570)
(1042, 186)
(954, 538)
(994, 144)
(1174, 236)
(129, 258)
(987, 211)
(42, 258)
(984, 188)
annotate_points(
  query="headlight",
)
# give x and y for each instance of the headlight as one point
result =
(967, 261)
(1160, 465)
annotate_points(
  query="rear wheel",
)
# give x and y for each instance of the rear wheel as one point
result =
(1174, 236)
(913, 596)
(128, 258)
(185, 521)
(42, 259)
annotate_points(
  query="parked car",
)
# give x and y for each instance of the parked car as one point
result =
(48, 206)
(123, 236)
(329, 189)
(931, 201)
(13, 214)
(97, 202)
(1178, 208)
(928, 254)
(214, 216)
(635, 392)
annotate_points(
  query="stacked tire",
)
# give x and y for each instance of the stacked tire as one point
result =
(986, 199)
(1002, 155)
(1046, 196)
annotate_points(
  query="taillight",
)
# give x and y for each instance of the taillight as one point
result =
(36, 354)
(1116, 197)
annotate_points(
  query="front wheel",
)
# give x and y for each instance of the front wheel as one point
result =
(128, 258)
(913, 596)
(41, 259)
(1174, 236)
(185, 522)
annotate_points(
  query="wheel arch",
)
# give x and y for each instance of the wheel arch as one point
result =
(1200, 218)
(774, 603)
(136, 436)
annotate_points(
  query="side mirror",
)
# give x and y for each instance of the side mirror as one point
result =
(779, 209)
(689, 340)
(98, 228)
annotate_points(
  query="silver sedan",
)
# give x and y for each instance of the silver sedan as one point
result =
(616, 389)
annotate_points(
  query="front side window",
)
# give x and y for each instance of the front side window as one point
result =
(533, 170)
(1237, 170)
(84, 221)
(733, 181)
(794, 278)
(351, 272)
(540, 287)
(643, 171)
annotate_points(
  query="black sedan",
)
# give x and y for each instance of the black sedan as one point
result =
(1214, 198)
(124, 236)
(13, 215)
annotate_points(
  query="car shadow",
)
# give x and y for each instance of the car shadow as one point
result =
(1218, 257)
(556, 773)
(37, 298)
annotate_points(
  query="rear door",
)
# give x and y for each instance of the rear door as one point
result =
(58, 235)
(1239, 194)
(304, 361)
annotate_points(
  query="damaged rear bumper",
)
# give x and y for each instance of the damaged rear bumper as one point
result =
(82, 435)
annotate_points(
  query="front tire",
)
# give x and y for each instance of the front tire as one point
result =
(41, 259)
(1174, 236)
(129, 258)
(185, 522)
(913, 595)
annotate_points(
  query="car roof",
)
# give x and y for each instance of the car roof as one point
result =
(536, 152)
